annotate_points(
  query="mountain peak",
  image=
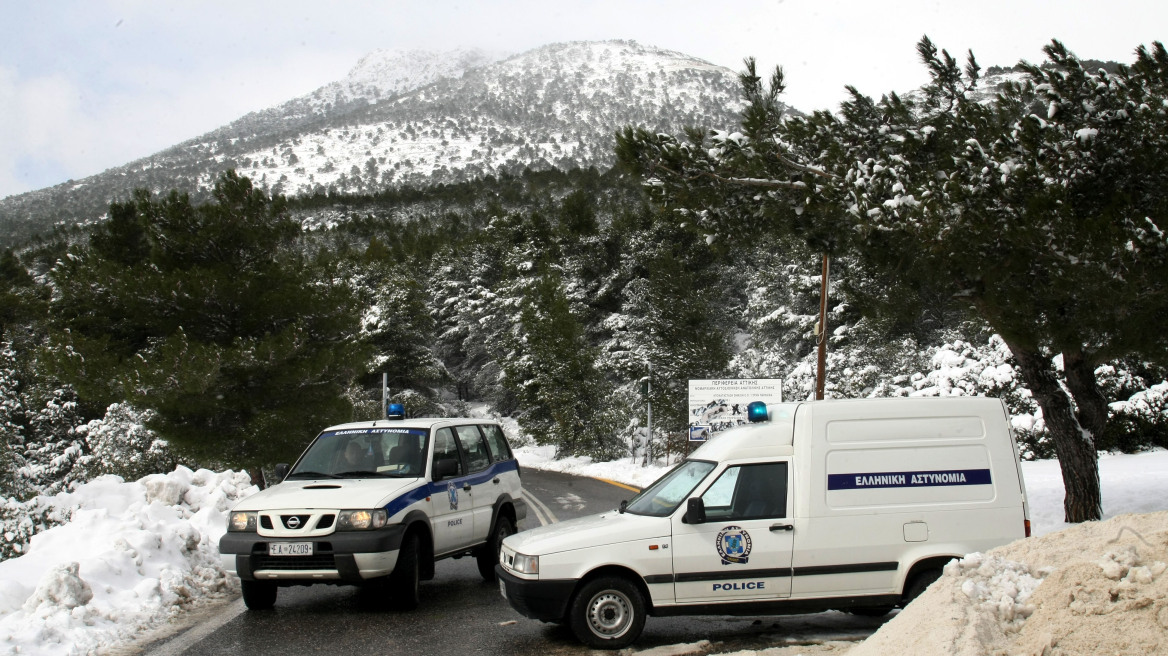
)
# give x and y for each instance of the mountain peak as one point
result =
(383, 73)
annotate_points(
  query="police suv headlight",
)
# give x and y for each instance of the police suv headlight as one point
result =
(361, 520)
(525, 564)
(242, 521)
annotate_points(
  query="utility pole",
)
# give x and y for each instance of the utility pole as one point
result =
(821, 334)
(649, 408)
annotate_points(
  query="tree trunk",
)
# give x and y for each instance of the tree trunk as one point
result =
(1077, 457)
(1084, 388)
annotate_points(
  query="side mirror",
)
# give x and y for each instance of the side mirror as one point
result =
(281, 472)
(695, 512)
(445, 468)
(624, 506)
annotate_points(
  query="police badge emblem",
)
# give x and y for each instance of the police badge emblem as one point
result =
(734, 545)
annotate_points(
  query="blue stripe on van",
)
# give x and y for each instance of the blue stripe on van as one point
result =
(399, 503)
(937, 478)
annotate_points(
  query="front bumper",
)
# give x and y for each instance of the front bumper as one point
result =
(345, 557)
(538, 599)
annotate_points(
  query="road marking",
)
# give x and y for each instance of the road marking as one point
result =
(627, 487)
(192, 636)
(542, 512)
(571, 502)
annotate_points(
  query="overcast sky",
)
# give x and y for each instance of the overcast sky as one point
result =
(86, 85)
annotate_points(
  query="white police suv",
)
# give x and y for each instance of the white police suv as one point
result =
(376, 504)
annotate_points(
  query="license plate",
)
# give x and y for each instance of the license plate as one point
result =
(502, 588)
(289, 548)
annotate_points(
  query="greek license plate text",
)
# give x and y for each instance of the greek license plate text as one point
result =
(290, 549)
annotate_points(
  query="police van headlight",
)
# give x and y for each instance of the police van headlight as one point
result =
(242, 521)
(360, 520)
(525, 564)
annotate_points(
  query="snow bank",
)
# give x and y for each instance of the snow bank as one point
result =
(1095, 588)
(132, 556)
(626, 470)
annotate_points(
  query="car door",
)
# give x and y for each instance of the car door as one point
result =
(451, 513)
(483, 489)
(742, 552)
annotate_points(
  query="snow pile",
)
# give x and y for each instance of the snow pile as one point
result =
(132, 556)
(997, 587)
(1095, 588)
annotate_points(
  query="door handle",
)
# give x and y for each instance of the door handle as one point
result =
(782, 527)
(466, 487)
(496, 480)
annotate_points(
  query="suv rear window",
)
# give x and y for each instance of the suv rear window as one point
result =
(477, 456)
(499, 447)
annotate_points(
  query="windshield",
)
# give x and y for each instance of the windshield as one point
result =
(663, 496)
(364, 453)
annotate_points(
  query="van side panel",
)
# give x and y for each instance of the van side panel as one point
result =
(892, 482)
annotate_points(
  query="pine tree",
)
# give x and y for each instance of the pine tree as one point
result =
(212, 317)
(12, 428)
(1041, 210)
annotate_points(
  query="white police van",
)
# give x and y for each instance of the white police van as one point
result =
(853, 505)
(376, 503)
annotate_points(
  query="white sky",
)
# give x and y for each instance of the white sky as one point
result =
(86, 85)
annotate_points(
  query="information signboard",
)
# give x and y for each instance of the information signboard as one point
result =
(716, 405)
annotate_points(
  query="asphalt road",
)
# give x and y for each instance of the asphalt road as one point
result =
(461, 614)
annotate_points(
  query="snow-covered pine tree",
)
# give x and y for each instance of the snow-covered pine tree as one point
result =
(12, 423)
(55, 454)
(120, 443)
(552, 369)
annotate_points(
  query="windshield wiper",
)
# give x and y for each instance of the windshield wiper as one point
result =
(310, 474)
(358, 474)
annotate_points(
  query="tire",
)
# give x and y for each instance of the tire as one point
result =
(404, 581)
(918, 584)
(259, 595)
(607, 613)
(488, 555)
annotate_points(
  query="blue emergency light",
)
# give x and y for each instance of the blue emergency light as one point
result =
(395, 411)
(756, 412)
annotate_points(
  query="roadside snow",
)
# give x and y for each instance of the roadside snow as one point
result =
(137, 554)
(132, 556)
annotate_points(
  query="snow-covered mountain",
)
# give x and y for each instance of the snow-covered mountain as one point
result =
(415, 118)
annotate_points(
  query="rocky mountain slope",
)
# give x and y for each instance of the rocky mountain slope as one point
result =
(420, 118)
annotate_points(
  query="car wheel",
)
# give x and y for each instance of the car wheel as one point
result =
(404, 582)
(488, 555)
(259, 595)
(607, 613)
(919, 583)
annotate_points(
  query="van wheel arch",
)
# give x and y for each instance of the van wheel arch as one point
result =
(622, 572)
(921, 575)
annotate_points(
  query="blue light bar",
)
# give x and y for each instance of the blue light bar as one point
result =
(756, 412)
(395, 411)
